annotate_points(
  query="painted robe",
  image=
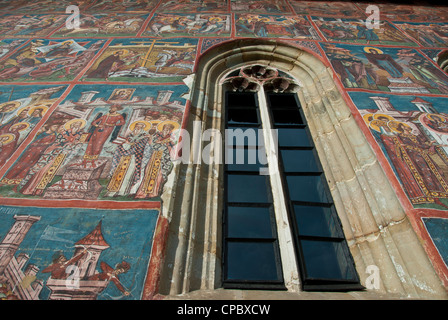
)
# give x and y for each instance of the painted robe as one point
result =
(105, 125)
(127, 163)
(29, 158)
(158, 167)
(42, 173)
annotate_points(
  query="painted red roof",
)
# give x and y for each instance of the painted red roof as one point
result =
(94, 238)
(419, 100)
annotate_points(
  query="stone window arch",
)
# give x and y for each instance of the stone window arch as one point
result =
(375, 224)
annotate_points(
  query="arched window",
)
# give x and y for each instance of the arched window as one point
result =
(261, 106)
(376, 228)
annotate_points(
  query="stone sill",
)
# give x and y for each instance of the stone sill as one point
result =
(229, 294)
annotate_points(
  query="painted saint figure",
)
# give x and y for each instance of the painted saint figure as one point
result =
(383, 61)
(43, 172)
(160, 164)
(31, 155)
(102, 129)
(127, 160)
(107, 65)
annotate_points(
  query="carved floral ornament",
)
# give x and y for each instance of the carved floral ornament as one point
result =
(252, 78)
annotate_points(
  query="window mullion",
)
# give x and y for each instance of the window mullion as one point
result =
(285, 237)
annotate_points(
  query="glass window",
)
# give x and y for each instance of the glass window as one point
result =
(299, 161)
(282, 101)
(252, 261)
(307, 189)
(286, 117)
(249, 222)
(247, 188)
(243, 159)
(241, 136)
(316, 221)
(326, 260)
(242, 116)
(251, 250)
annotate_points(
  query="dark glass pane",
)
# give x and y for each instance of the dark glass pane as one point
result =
(291, 137)
(286, 117)
(251, 261)
(306, 188)
(282, 101)
(239, 116)
(247, 188)
(241, 136)
(326, 260)
(249, 222)
(244, 159)
(241, 100)
(316, 221)
(299, 161)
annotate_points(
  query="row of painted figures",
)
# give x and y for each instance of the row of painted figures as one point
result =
(417, 153)
(140, 162)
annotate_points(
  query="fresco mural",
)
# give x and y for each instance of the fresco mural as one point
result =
(74, 253)
(102, 6)
(102, 142)
(43, 6)
(406, 12)
(104, 24)
(427, 34)
(412, 131)
(145, 60)
(193, 6)
(400, 70)
(9, 45)
(92, 116)
(21, 109)
(355, 31)
(175, 25)
(261, 25)
(30, 25)
(260, 6)
(49, 60)
(326, 8)
(438, 229)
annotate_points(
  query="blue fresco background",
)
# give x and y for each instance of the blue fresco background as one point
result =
(129, 234)
(438, 229)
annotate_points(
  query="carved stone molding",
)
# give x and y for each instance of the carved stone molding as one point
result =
(375, 224)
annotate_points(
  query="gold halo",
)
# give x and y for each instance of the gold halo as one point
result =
(393, 125)
(376, 116)
(44, 110)
(375, 124)
(367, 116)
(67, 41)
(146, 123)
(160, 125)
(125, 51)
(20, 124)
(367, 49)
(15, 103)
(219, 19)
(69, 123)
(431, 116)
(10, 138)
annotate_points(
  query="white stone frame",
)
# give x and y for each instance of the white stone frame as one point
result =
(375, 224)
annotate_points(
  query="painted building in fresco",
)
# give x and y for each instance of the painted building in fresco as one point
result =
(90, 133)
